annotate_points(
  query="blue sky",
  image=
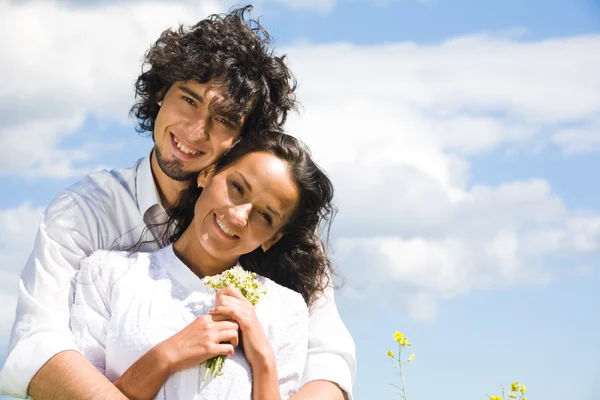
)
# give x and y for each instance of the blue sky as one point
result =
(461, 136)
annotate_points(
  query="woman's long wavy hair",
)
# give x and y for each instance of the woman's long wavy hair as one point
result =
(229, 52)
(299, 259)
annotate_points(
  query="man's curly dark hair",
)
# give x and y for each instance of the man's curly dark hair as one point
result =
(228, 51)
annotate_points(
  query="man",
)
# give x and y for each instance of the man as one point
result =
(205, 88)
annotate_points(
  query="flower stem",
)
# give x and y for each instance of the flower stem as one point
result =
(401, 374)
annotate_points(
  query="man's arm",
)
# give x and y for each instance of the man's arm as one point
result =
(331, 361)
(317, 390)
(68, 375)
(43, 358)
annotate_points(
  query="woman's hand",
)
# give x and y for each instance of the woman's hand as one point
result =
(231, 304)
(199, 341)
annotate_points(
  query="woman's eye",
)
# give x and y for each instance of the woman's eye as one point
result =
(267, 217)
(237, 187)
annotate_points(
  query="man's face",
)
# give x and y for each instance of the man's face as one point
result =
(192, 130)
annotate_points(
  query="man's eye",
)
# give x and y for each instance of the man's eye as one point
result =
(224, 121)
(187, 99)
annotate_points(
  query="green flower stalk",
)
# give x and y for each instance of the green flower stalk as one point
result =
(402, 341)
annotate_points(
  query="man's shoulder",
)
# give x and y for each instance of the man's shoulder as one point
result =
(281, 296)
(101, 192)
(105, 182)
(112, 265)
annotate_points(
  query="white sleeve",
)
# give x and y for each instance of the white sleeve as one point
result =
(90, 311)
(67, 233)
(291, 347)
(331, 351)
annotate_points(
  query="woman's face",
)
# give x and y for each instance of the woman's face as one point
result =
(244, 206)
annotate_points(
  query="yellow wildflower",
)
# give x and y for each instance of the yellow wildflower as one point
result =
(390, 354)
(512, 396)
(514, 386)
(522, 389)
(412, 357)
(398, 336)
(495, 397)
(403, 341)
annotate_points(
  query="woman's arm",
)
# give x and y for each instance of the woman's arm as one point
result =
(231, 304)
(265, 381)
(199, 341)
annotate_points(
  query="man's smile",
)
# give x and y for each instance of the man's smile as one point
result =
(184, 150)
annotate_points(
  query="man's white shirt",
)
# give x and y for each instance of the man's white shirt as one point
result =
(111, 210)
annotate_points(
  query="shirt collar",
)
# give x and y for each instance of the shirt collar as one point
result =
(167, 258)
(146, 192)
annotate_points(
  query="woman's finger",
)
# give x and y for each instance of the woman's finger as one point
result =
(229, 335)
(231, 291)
(223, 349)
(230, 312)
(221, 318)
(226, 323)
(227, 300)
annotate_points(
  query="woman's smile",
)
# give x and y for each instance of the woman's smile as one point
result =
(223, 229)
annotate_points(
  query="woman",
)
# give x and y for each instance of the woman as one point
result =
(261, 207)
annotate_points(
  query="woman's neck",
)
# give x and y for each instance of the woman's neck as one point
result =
(188, 250)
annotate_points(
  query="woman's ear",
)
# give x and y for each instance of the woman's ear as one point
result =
(269, 243)
(206, 175)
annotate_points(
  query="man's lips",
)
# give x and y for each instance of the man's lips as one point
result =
(183, 149)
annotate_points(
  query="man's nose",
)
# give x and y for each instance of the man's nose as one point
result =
(240, 213)
(196, 129)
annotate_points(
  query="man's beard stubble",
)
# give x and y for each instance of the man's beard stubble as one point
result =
(174, 168)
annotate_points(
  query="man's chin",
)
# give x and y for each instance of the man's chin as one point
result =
(174, 170)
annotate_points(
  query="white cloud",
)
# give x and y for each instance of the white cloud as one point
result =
(321, 6)
(396, 127)
(19, 226)
(581, 138)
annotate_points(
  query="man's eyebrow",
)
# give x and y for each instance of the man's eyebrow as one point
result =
(193, 94)
(231, 116)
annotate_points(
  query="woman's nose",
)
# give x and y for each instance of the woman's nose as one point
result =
(240, 213)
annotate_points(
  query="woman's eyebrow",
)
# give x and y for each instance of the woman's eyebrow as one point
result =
(271, 209)
(245, 181)
(274, 211)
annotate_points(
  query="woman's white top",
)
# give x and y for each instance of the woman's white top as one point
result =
(126, 303)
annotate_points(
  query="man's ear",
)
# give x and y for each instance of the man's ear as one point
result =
(206, 175)
(269, 243)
